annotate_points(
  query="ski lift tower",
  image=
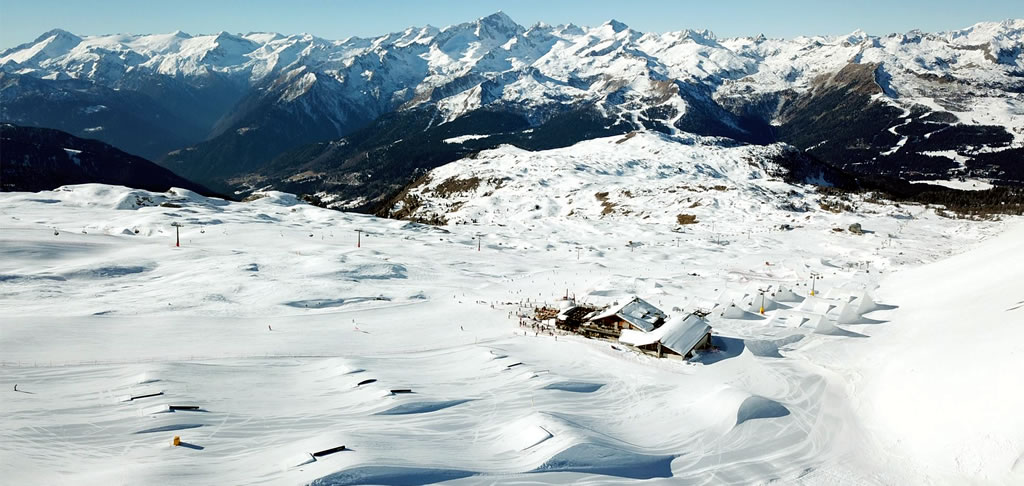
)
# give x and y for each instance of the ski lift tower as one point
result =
(766, 289)
(177, 233)
(814, 276)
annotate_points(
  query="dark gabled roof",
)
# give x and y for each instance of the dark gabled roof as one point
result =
(638, 312)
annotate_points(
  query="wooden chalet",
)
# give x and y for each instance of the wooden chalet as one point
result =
(679, 336)
(636, 314)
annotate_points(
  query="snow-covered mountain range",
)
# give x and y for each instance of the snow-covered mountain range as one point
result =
(237, 111)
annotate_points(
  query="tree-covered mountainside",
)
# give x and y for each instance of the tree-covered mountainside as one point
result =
(39, 159)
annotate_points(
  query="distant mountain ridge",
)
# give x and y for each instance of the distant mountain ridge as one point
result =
(240, 112)
(41, 159)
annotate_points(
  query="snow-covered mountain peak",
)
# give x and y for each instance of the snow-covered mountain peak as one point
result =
(267, 37)
(987, 31)
(615, 25)
(60, 34)
(494, 26)
(415, 35)
(572, 29)
(231, 46)
(499, 21)
(856, 37)
(54, 43)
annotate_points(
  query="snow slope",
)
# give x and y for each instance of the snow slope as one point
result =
(938, 386)
(289, 338)
(641, 175)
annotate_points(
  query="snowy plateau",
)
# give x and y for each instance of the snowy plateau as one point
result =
(171, 337)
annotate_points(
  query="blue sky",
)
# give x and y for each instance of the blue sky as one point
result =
(23, 20)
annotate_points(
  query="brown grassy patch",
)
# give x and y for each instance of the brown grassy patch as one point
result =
(609, 207)
(686, 219)
(454, 185)
(627, 137)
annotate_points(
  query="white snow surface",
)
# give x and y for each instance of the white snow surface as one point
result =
(273, 322)
(643, 173)
(464, 138)
(963, 185)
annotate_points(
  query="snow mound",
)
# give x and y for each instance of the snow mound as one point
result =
(522, 436)
(169, 428)
(111, 271)
(609, 461)
(380, 271)
(275, 198)
(391, 475)
(574, 386)
(422, 407)
(755, 408)
(769, 348)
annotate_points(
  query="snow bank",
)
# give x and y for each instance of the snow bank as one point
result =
(941, 385)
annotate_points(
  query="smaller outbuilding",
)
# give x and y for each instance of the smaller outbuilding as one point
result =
(572, 317)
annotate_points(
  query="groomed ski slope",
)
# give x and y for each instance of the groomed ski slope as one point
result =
(923, 389)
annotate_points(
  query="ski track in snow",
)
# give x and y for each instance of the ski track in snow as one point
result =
(95, 315)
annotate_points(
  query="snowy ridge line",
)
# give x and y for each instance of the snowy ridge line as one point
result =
(491, 44)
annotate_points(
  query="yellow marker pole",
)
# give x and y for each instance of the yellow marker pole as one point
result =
(177, 441)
